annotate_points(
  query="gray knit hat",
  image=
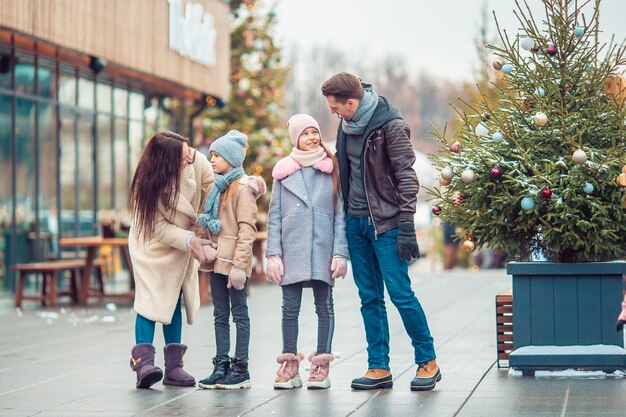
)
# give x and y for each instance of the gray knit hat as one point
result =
(231, 147)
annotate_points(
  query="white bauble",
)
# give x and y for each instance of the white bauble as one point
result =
(447, 173)
(540, 119)
(527, 43)
(481, 129)
(468, 176)
(580, 157)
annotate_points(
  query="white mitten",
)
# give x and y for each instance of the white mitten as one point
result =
(339, 266)
(275, 269)
(210, 252)
(236, 278)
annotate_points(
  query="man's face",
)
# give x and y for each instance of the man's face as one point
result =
(344, 110)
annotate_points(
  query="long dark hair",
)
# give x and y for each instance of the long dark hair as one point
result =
(156, 180)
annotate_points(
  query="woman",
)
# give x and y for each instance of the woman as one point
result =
(164, 197)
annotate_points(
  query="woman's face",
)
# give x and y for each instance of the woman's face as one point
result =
(187, 156)
(219, 164)
(309, 139)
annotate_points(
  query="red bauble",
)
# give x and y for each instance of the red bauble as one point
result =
(456, 147)
(546, 193)
(551, 50)
(495, 173)
(436, 210)
(486, 117)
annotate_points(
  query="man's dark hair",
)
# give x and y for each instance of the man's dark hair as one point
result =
(343, 86)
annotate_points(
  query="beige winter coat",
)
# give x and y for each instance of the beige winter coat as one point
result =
(163, 265)
(238, 232)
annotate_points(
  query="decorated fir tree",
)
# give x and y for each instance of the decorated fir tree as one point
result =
(258, 76)
(538, 168)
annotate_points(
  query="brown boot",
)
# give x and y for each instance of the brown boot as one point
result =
(427, 376)
(174, 372)
(142, 362)
(374, 378)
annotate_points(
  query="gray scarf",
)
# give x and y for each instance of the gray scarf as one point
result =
(360, 120)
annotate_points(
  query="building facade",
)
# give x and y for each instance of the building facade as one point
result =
(83, 85)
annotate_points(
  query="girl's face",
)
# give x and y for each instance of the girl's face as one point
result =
(187, 156)
(219, 164)
(309, 139)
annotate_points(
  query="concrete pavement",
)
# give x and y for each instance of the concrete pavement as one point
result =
(74, 361)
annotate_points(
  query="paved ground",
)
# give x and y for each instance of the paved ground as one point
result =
(74, 362)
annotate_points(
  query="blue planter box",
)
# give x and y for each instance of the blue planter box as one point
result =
(564, 315)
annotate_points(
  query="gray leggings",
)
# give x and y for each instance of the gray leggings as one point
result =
(292, 298)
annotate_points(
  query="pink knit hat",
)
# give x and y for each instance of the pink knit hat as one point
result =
(298, 123)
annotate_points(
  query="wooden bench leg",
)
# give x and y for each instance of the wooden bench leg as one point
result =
(44, 288)
(53, 289)
(74, 277)
(19, 292)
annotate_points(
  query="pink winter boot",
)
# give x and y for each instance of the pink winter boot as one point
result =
(320, 366)
(288, 376)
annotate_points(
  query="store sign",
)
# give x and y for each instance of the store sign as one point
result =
(193, 33)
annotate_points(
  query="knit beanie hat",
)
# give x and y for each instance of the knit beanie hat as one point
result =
(231, 147)
(298, 124)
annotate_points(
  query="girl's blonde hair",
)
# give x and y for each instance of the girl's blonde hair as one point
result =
(335, 172)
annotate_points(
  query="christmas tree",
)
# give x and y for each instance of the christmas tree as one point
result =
(537, 169)
(257, 80)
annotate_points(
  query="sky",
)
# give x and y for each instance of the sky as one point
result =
(437, 37)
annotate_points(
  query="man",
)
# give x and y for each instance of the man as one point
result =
(380, 189)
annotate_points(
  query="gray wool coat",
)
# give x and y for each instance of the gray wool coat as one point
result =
(304, 227)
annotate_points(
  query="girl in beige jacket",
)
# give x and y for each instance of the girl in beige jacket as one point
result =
(229, 220)
(164, 196)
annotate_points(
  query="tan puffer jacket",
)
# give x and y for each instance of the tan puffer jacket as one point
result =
(238, 232)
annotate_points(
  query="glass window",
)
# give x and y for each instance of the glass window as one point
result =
(67, 89)
(6, 165)
(6, 68)
(135, 143)
(25, 78)
(105, 162)
(120, 147)
(136, 106)
(103, 98)
(120, 101)
(85, 93)
(47, 165)
(67, 166)
(25, 164)
(85, 166)
(46, 78)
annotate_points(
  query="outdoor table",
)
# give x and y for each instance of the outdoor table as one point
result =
(92, 244)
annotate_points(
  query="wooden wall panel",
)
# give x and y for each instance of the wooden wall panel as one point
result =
(129, 33)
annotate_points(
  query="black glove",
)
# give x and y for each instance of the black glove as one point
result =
(620, 325)
(407, 242)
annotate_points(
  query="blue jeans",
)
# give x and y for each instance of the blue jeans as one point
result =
(172, 333)
(376, 265)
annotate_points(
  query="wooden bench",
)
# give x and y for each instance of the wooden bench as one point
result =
(504, 326)
(49, 271)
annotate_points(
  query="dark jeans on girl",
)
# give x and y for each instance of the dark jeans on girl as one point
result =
(144, 328)
(292, 298)
(225, 301)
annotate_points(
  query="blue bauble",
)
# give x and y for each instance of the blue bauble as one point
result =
(540, 92)
(507, 68)
(588, 188)
(497, 137)
(579, 31)
(528, 203)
